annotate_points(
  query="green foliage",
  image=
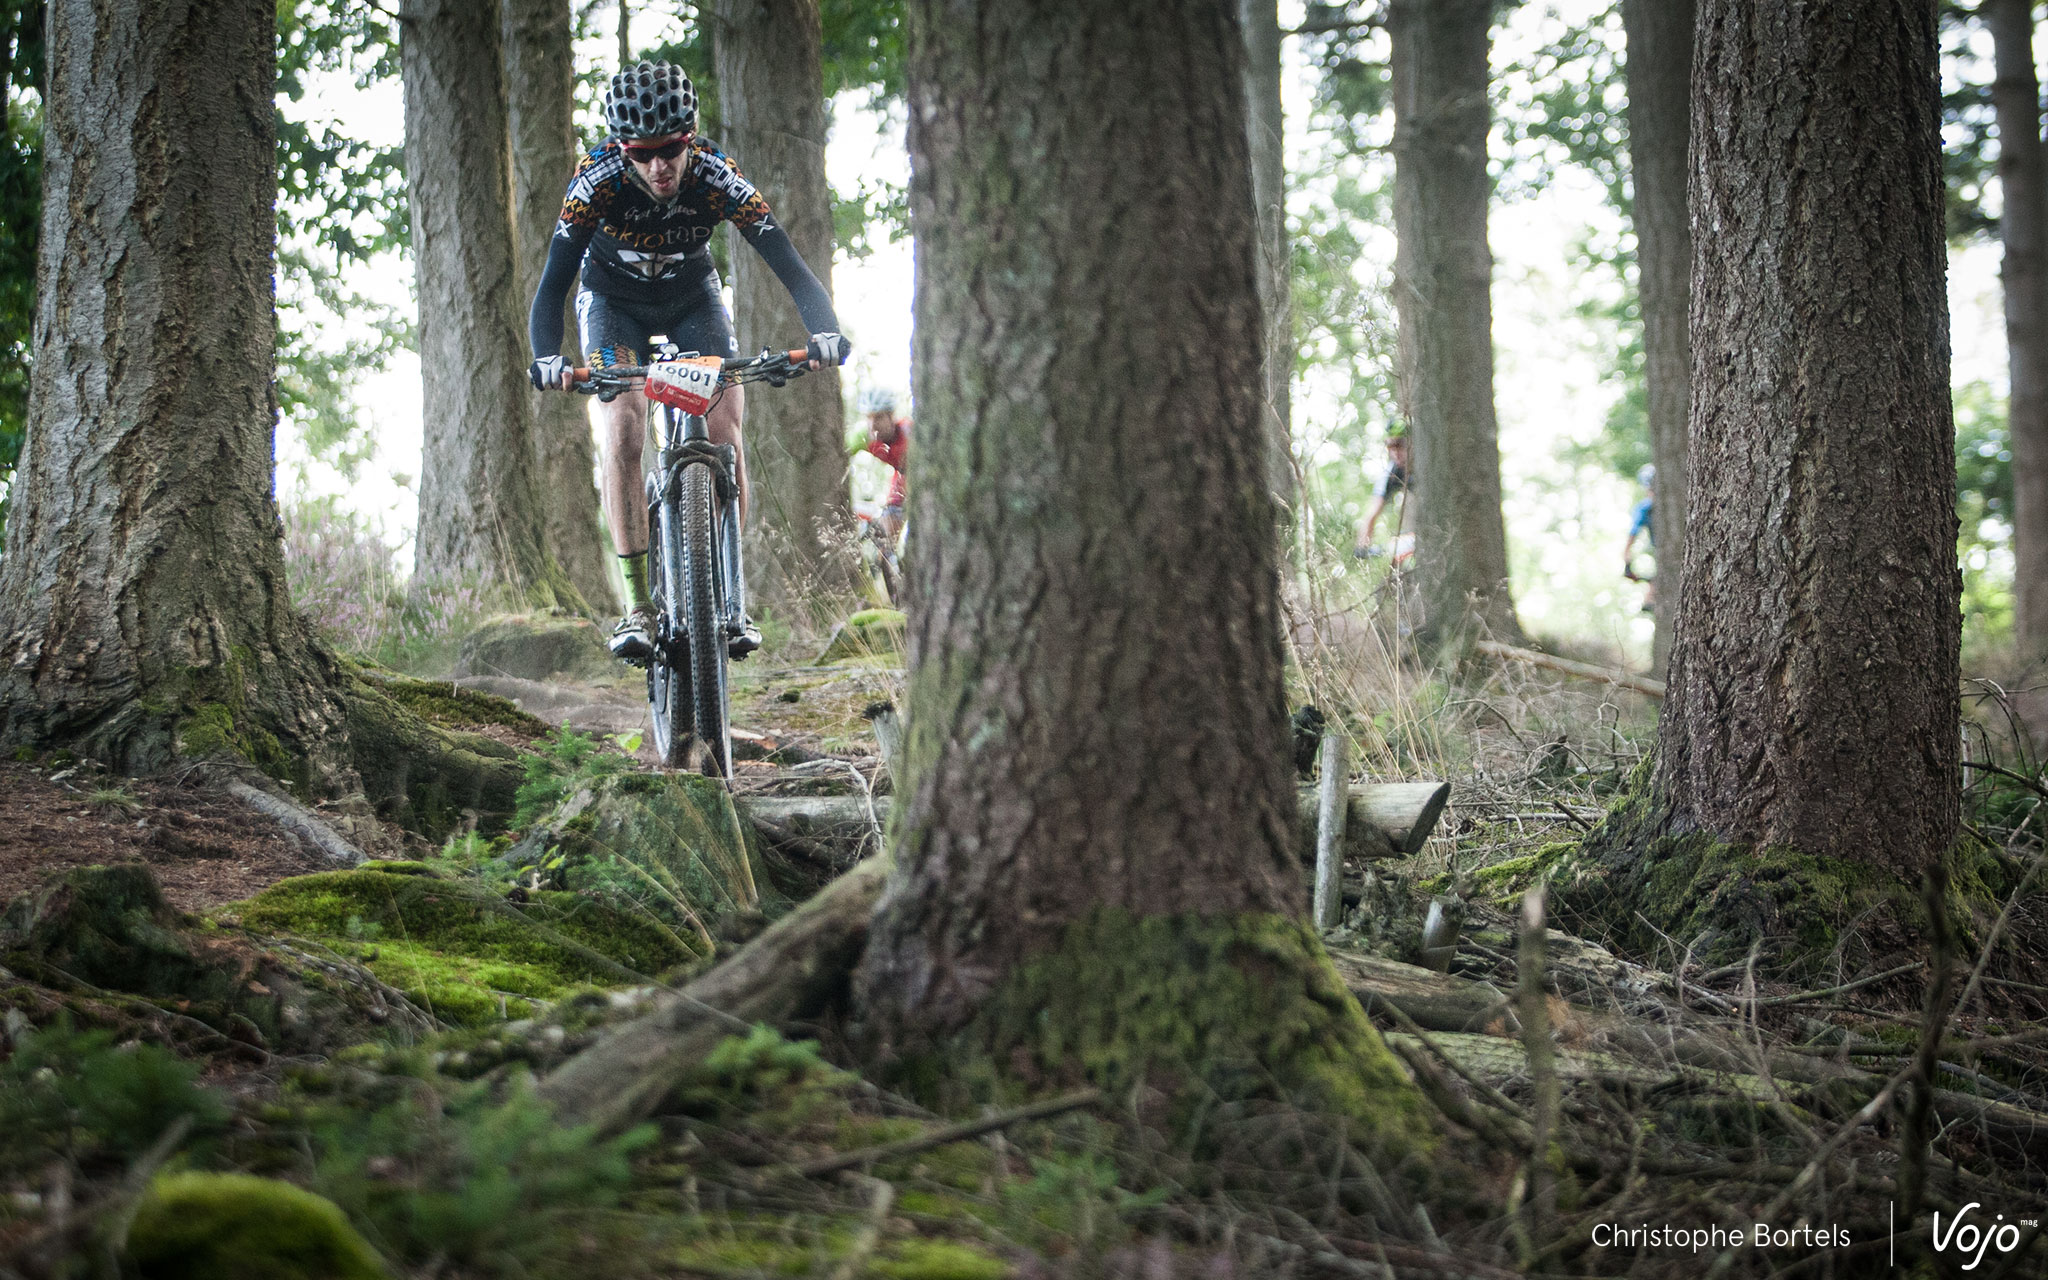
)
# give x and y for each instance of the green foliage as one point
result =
(21, 200)
(1984, 500)
(1969, 157)
(560, 765)
(863, 49)
(471, 1180)
(202, 1226)
(1568, 105)
(75, 1095)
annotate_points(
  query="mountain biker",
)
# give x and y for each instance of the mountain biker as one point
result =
(638, 217)
(1392, 483)
(1640, 526)
(886, 436)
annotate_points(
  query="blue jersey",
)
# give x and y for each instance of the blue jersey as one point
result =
(1640, 521)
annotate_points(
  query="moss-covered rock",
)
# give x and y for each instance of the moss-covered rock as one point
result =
(673, 841)
(459, 950)
(222, 1226)
(110, 929)
(531, 646)
(867, 634)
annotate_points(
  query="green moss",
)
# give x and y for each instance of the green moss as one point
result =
(451, 706)
(206, 1226)
(452, 947)
(1246, 1008)
(869, 633)
(936, 1260)
(1641, 888)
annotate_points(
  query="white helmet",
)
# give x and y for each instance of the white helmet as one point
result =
(878, 400)
(650, 100)
(1647, 476)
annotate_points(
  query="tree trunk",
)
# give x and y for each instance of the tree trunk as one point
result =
(1659, 69)
(2023, 226)
(1807, 757)
(1442, 279)
(1096, 778)
(1265, 124)
(540, 83)
(143, 602)
(771, 100)
(481, 512)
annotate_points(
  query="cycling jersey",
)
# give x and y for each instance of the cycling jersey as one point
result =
(897, 454)
(643, 250)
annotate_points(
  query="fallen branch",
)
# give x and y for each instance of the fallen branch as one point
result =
(948, 1134)
(1584, 670)
(797, 966)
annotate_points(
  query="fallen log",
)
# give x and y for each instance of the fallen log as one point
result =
(1644, 685)
(1433, 1001)
(1381, 819)
(795, 968)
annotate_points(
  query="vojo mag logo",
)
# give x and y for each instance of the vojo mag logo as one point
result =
(1968, 1235)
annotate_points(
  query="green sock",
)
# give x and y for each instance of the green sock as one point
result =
(635, 568)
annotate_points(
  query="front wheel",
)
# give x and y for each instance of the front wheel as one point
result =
(668, 671)
(705, 617)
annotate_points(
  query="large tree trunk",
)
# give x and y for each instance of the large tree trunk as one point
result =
(1096, 775)
(1808, 748)
(1443, 274)
(1659, 125)
(143, 602)
(771, 95)
(481, 512)
(1265, 124)
(2023, 226)
(540, 84)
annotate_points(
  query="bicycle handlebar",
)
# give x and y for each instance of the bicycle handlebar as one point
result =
(767, 366)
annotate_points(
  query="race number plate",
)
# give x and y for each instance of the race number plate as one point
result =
(687, 384)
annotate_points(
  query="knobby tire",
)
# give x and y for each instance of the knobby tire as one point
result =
(705, 619)
(668, 677)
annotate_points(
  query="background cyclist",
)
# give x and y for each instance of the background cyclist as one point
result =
(887, 436)
(638, 219)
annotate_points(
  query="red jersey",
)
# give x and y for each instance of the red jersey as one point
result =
(897, 454)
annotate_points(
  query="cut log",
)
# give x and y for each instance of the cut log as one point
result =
(1381, 819)
(796, 968)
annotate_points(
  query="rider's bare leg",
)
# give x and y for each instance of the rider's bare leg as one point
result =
(621, 428)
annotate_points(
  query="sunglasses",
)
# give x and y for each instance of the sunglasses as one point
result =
(662, 151)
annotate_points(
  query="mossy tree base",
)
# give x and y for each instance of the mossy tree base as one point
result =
(1243, 1009)
(1644, 889)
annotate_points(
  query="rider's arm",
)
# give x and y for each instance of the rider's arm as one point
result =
(812, 302)
(544, 321)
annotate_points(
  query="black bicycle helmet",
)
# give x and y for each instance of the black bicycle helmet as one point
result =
(651, 100)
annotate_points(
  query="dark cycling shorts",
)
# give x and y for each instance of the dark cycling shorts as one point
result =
(615, 331)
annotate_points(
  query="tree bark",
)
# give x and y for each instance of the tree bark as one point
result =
(771, 94)
(143, 596)
(540, 84)
(1265, 124)
(1096, 764)
(1442, 280)
(2023, 228)
(1659, 70)
(481, 512)
(1812, 699)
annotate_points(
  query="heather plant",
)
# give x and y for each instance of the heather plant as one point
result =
(347, 580)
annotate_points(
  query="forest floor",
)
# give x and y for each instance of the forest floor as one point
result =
(367, 1034)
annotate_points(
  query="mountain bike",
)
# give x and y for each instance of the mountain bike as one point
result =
(694, 573)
